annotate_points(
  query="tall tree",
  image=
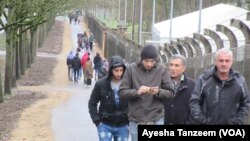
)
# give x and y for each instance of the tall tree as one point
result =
(1, 89)
(22, 16)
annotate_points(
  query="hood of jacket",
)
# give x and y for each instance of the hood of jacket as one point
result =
(115, 61)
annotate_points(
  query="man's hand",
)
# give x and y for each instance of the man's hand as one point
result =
(150, 90)
(154, 90)
(143, 90)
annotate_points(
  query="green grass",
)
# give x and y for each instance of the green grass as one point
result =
(109, 23)
(113, 24)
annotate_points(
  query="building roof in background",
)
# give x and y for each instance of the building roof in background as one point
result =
(186, 25)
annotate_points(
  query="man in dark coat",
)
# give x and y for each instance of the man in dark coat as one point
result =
(177, 109)
(220, 95)
(76, 66)
(97, 64)
(107, 110)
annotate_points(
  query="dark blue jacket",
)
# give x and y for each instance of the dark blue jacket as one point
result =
(177, 109)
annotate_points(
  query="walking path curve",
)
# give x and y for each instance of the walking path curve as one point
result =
(63, 115)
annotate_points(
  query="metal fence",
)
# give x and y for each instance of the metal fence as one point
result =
(196, 65)
(114, 43)
(118, 45)
(96, 28)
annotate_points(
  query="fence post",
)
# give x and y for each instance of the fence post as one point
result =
(104, 35)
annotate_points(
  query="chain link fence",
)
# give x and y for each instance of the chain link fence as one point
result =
(113, 43)
(197, 65)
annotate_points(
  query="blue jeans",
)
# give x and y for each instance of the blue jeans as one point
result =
(96, 74)
(76, 75)
(134, 130)
(107, 132)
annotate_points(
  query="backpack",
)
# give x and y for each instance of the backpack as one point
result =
(70, 62)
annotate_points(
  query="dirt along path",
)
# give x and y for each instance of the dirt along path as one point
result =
(35, 121)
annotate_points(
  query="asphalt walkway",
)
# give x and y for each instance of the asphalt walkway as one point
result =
(71, 120)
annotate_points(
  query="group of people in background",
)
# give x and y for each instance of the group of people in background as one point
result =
(80, 65)
(79, 62)
(74, 17)
(85, 41)
(148, 92)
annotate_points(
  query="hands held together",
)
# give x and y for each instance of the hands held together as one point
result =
(149, 90)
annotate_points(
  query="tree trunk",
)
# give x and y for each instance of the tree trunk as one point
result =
(20, 56)
(133, 20)
(28, 53)
(18, 68)
(23, 56)
(1, 89)
(14, 46)
(32, 45)
(8, 64)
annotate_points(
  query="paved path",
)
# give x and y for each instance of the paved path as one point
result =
(71, 120)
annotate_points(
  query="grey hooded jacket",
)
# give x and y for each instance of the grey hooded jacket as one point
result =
(146, 107)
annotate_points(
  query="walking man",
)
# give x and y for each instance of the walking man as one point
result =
(177, 108)
(76, 67)
(70, 59)
(91, 40)
(97, 64)
(110, 117)
(220, 95)
(146, 84)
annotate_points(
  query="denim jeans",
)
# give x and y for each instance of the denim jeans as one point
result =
(96, 74)
(134, 130)
(107, 132)
(76, 75)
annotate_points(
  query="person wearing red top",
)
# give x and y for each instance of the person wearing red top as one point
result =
(83, 63)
